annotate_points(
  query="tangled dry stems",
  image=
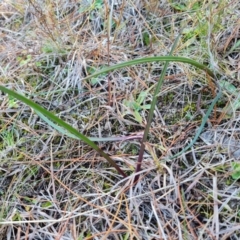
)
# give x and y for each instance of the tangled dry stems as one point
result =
(54, 187)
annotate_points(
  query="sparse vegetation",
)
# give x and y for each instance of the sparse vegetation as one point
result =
(53, 186)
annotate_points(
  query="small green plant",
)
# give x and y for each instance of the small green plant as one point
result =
(91, 5)
(231, 89)
(236, 170)
(24, 60)
(94, 80)
(52, 47)
(146, 38)
(12, 103)
(7, 138)
(183, 7)
(136, 105)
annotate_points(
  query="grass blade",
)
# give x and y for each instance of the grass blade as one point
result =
(63, 124)
(150, 115)
(153, 59)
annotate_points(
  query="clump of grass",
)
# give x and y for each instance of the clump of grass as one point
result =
(68, 128)
(54, 186)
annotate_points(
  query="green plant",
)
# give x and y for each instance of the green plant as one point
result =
(7, 138)
(24, 60)
(236, 170)
(185, 6)
(57, 123)
(94, 80)
(91, 5)
(12, 103)
(231, 89)
(136, 105)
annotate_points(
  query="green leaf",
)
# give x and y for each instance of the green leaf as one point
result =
(126, 236)
(179, 6)
(196, 6)
(236, 45)
(24, 61)
(147, 106)
(236, 172)
(146, 39)
(142, 96)
(98, 4)
(152, 59)
(12, 103)
(94, 80)
(63, 124)
(46, 204)
(137, 116)
(230, 88)
(136, 106)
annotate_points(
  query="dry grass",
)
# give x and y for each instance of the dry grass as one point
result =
(54, 187)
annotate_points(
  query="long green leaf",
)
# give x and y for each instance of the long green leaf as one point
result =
(93, 139)
(65, 125)
(152, 59)
(153, 105)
